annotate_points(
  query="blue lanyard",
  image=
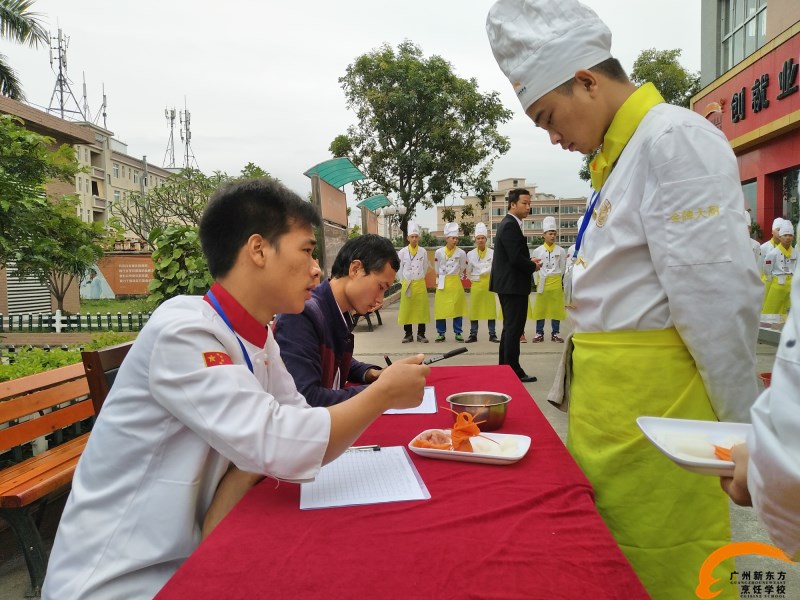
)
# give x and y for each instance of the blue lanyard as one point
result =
(586, 218)
(218, 308)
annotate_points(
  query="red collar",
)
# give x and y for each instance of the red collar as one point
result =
(243, 322)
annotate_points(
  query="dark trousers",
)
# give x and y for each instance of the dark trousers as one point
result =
(409, 329)
(515, 312)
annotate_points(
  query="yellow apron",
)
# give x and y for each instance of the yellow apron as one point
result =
(451, 301)
(665, 519)
(550, 303)
(482, 303)
(776, 300)
(415, 308)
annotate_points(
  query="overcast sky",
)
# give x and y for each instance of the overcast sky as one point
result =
(260, 79)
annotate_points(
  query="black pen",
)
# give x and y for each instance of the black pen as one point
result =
(388, 361)
(374, 448)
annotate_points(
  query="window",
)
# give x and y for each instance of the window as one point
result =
(790, 194)
(743, 29)
(86, 155)
(115, 169)
(80, 184)
(116, 195)
(136, 177)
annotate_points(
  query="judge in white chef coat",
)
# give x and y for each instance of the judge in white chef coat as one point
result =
(652, 334)
(767, 472)
(204, 388)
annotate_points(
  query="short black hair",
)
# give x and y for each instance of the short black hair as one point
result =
(246, 207)
(374, 251)
(610, 67)
(513, 195)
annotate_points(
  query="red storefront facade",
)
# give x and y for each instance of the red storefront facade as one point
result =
(757, 105)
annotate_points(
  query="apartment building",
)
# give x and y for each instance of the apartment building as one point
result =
(111, 176)
(750, 53)
(565, 211)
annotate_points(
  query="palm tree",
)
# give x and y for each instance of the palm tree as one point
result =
(19, 25)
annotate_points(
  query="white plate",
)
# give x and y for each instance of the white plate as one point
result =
(523, 444)
(690, 444)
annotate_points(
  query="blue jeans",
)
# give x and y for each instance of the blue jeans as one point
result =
(441, 326)
(473, 328)
(554, 325)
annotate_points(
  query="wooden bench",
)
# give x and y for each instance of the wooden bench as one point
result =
(30, 408)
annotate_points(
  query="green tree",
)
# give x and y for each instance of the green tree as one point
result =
(422, 133)
(673, 81)
(27, 162)
(18, 24)
(179, 266)
(66, 250)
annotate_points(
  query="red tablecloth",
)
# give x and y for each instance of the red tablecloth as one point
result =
(528, 530)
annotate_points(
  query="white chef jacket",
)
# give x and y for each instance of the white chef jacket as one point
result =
(413, 267)
(756, 248)
(766, 248)
(553, 263)
(669, 247)
(477, 266)
(165, 437)
(773, 475)
(778, 265)
(455, 265)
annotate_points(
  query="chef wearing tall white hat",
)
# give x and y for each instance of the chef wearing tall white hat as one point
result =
(780, 265)
(414, 306)
(770, 245)
(652, 333)
(450, 302)
(482, 302)
(549, 302)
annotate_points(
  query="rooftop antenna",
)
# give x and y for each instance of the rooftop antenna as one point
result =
(169, 157)
(186, 137)
(85, 99)
(62, 92)
(102, 110)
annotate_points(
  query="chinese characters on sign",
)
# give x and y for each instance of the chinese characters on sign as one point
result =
(135, 273)
(787, 82)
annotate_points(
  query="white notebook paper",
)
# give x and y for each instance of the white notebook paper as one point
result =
(427, 407)
(365, 477)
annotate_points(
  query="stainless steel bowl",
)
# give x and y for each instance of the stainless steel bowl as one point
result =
(485, 406)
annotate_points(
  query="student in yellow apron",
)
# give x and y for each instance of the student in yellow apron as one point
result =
(482, 302)
(779, 266)
(450, 302)
(414, 306)
(653, 336)
(549, 302)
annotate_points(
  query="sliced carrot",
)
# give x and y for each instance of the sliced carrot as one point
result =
(723, 453)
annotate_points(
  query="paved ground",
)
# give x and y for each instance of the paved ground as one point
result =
(537, 359)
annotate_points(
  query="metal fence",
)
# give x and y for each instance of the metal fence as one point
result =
(47, 322)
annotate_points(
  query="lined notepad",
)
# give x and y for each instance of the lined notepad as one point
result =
(427, 407)
(365, 477)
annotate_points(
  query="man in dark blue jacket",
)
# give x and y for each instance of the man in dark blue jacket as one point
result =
(317, 344)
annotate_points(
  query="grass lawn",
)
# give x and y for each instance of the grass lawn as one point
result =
(132, 305)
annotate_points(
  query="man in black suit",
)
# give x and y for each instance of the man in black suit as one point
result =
(512, 268)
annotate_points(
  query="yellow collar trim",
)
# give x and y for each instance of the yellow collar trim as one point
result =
(449, 253)
(622, 128)
(549, 247)
(481, 253)
(413, 251)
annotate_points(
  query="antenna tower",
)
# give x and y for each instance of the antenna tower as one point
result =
(169, 157)
(62, 92)
(186, 137)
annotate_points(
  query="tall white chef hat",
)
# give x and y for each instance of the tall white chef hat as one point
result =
(549, 224)
(539, 44)
(480, 229)
(451, 230)
(786, 228)
(776, 224)
(413, 228)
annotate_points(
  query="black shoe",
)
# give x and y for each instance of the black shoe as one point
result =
(408, 338)
(472, 338)
(494, 338)
(527, 378)
(422, 338)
